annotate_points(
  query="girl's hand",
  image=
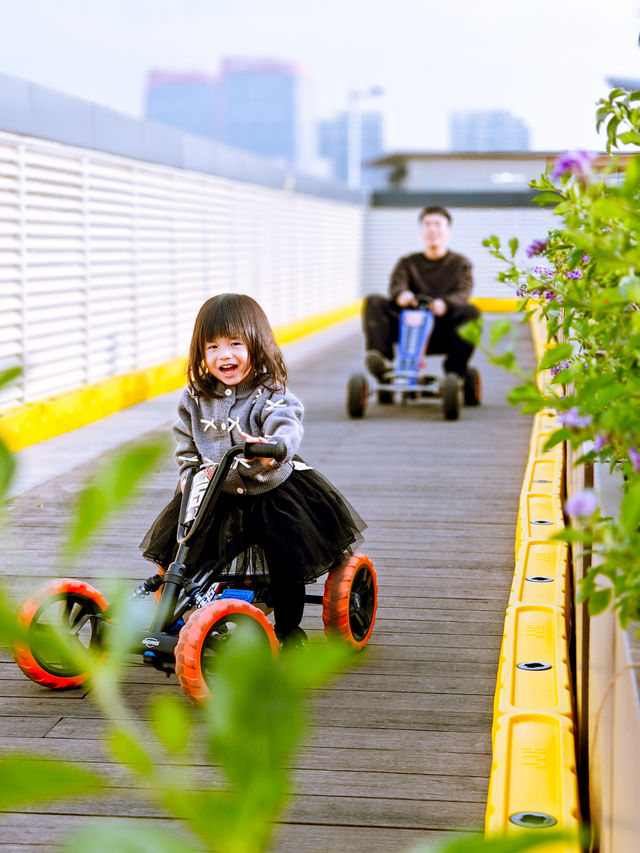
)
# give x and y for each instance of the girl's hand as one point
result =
(260, 439)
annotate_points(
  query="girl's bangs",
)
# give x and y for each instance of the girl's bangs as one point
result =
(226, 322)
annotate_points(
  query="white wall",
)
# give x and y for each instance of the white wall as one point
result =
(393, 232)
(104, 260)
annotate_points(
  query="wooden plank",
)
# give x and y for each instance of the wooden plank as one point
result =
(400, 749)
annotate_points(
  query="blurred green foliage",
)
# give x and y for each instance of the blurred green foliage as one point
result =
(583, 277)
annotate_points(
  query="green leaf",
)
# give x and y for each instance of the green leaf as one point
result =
(25, 780)
(513, 246)
(7, 469)
(557, 437)
(546, 198)
(630, 506)
(129, 751)
(506, 360)
(128, 837)
(630, 287)
(9, 376)
(554, 356)
(523, 840)
(572, 534)
(528, 393)
(111, 488)
(491, 242)
(471, 331)
(612, 129)
(171, 723)
(499, 329)
(630, 137)
(599, 601)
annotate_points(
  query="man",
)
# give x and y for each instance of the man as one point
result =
(435, 276)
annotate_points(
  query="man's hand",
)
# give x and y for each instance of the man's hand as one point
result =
(439, 307)
(406, 299)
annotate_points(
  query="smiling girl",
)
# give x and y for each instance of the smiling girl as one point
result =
(280, 521)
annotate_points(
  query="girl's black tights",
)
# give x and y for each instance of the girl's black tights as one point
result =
(288, 606)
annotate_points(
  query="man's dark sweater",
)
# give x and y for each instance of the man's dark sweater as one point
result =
(448, 278)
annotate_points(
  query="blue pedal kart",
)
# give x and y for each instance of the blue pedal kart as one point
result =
(408, 378)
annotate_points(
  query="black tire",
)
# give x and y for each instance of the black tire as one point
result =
(385, 398)
(78, 610)
(451, 397)
(205, 636)
(472, 387)
(350, 601)
(357, 395)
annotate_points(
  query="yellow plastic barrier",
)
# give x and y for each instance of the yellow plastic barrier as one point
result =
(541, 574)
(543, 475)
(533, 673)
(533, 777)
(533, 782)
(539, 517)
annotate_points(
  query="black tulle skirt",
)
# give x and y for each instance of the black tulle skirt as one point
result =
(293, 533)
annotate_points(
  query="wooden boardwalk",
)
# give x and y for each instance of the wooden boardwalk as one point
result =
(401, 747)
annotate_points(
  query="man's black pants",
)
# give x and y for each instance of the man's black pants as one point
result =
(380, 320)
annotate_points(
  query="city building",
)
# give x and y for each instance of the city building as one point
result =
(185, 100)
(256, 105)
(487, 130)
(333, 144)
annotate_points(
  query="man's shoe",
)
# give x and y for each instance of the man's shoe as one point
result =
(376, 363)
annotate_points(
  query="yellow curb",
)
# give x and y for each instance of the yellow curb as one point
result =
(22, 426)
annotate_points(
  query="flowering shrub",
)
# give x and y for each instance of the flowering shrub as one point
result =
(589, 293)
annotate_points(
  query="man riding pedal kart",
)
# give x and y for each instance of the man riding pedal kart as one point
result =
(436, 277)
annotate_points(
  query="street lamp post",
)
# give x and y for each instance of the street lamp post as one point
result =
(354, 132)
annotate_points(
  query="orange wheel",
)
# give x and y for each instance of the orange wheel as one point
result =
(204, 638)
(75, 607)
(350, 600)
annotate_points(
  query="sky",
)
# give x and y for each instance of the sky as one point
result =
(546, 61)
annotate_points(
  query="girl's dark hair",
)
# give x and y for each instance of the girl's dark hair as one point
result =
(234, 315)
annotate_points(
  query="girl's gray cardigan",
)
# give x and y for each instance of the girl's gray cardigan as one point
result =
(207, 426)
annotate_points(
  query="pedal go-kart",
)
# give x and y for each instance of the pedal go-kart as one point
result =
(194, 616)
(408, 379)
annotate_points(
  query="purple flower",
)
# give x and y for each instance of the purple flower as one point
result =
(521, 291)
(585, 259)
(581, 504)
(634, 456)
(575, 162)
(543, 272)
(573, 419)
(535, 294)
(574, 274)
(560, 367)
(549, 295)
(537, 247)
(600, 441)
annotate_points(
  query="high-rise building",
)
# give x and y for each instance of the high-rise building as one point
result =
(254, 104)
(487, 130)
(182, 99)
(258, 107)
(333, 143)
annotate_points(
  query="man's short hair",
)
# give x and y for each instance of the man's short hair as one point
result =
(435, 208)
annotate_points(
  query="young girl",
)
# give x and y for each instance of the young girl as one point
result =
(280, 521)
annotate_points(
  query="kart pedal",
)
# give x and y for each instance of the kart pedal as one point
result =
(243, 594)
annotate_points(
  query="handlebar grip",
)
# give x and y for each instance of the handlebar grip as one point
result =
(277, 450)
